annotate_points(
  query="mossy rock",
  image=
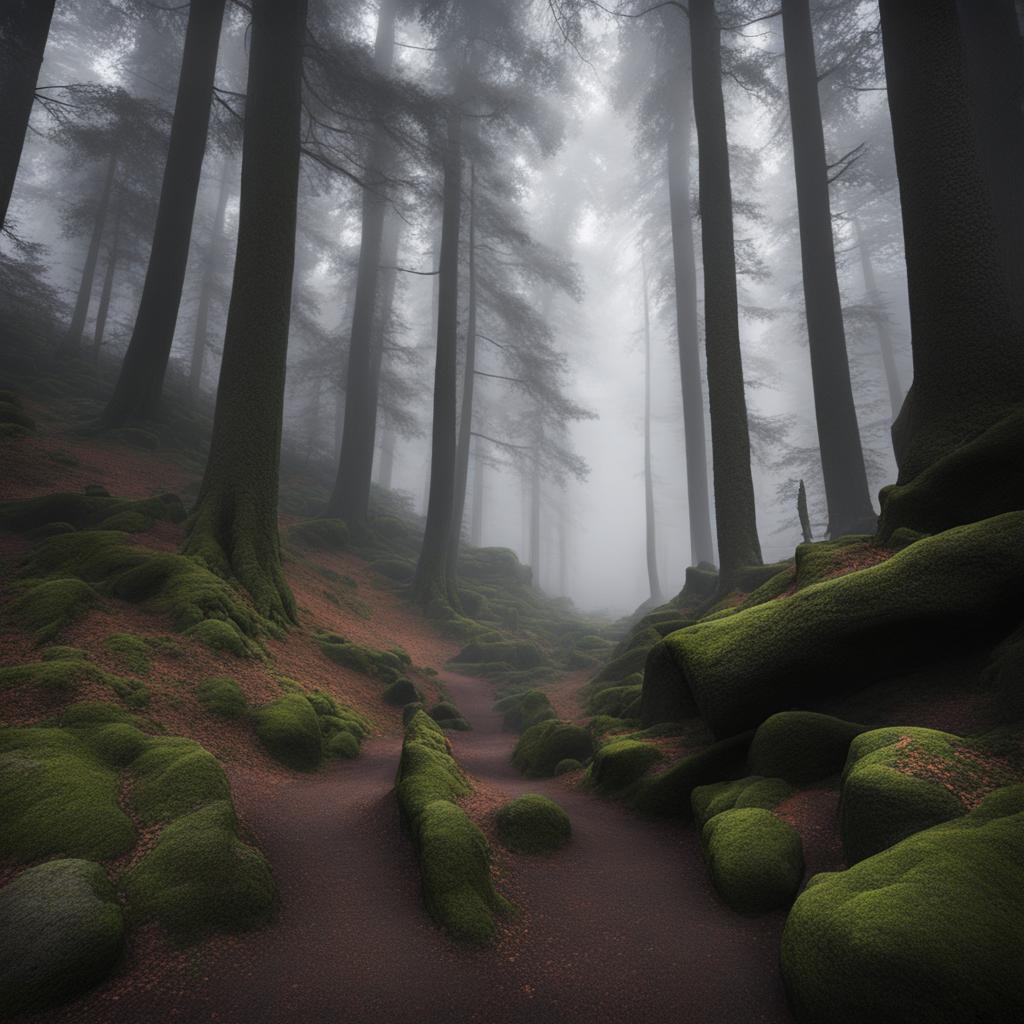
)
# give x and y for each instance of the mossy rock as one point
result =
(290, 731)
(385, 666)
(200, 877)
(132, 652)
(533, 824)
(621, 668)
(843, 633)
(117, 744)
(755, 859)
(542, 746)
(524, 709)
(221, 695)
(220, 635)
(621, 763)
(59, 678)
(801, 746)
(751, 791)
(448, 716)
(173, 776)
(56, 797)
(927, 931)
(402, 692)
(47, 608)
(517, 654)
(617, 701)
(320, 534)
(61, 931)
(668, 793)
(566, 765)
(341, 744)
(410, 710)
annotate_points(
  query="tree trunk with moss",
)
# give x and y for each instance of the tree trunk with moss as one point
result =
(233, 528)
(350, 499)
(649, 534)
(738, 543)
(967, 340)
(842, 459)
(24, 28)
(113, 254)
(140, 384)
(432, 586)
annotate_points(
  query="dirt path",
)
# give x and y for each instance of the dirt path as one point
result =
(621, 925)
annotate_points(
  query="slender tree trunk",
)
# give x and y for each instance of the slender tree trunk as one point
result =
(650, 535)
(563, 549)
(842, 461)
(100, 330)
(885, 343)
(536, 485)
(73, 339)
(476, 522)
(339, 393)
(688, 335)
(387, 460)
(140, 384)
(431, 584)
(738, 544)
(966, 336)
(211, 267)
(350, 499)
(24, 28)
(468, 387)
(234, 524)
(385, 306)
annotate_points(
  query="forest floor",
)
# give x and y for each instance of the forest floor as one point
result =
(623, 920)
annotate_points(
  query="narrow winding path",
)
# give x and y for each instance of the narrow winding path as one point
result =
(622, 925)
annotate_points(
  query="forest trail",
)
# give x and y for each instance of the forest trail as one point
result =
(622, 921)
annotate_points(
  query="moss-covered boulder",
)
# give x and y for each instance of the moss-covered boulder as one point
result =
(751, 791)
(842, 633)
(520, 654)
(617, 701)
(221, 636)
(290, 731)
(542, 746)
(173, 776)
(927, 931)
(533, 824)
(61, 931)
(401, 692)
(755, 859)
(448, 716)
(523, 709)
(201, 877)
(621, 763)
(801, 746)
(221, 695)
(46, 608)
(385, 666)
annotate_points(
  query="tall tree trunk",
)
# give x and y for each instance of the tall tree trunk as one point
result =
(431, 585)
(966, 336)
(234, 524)
(24, 28)
(385, 307)
(468, 387)
(211, 267)
(697, 493)
(139, 386)
(536, 485)
(650, 535)
(73, 339)
(476, 522)
(350, 499)
(885, 343)
(102, 313)
(842, 460)
(738, 544)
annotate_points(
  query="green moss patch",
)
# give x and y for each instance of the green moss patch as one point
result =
(752, 791)
(401, 692)
(755, 859)
(621, 763)
(801, 746)
(46, 608)
(220, 635)
(221, 695)
(61, 931)
(542, 746)
(616, 701)
(523, 709)
(843, 632)
(448, 716)
(533, 824)
(132, 652)
(566, 765)
(201, 877)
(511, 653)
(385, 666)
(174, 776)
(56, 797)
(290, 730)
(928, 930)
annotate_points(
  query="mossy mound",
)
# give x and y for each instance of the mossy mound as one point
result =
(755, 859)
(533, 824)
(842, 632)
(201, 877)
(342, 729)
(57, 797)
(117, 744)
(927, 931)
(221, 695)
(61, 931)
(752, 791)
(621, 668)
(320, 534)
(668, 793)
(617, 701)
(519, 655)
(173, 776)
(385, 666)
(621, 763)
(816, 561)
(132, 652)
(448, 716)
(523, 709)
(290, 730)
(453, 853)
(901, 780)
(801, 746)
(46, 608)
(86, 511)
(543, 745)
(566, 765)
(221, 636)
(401, 692)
